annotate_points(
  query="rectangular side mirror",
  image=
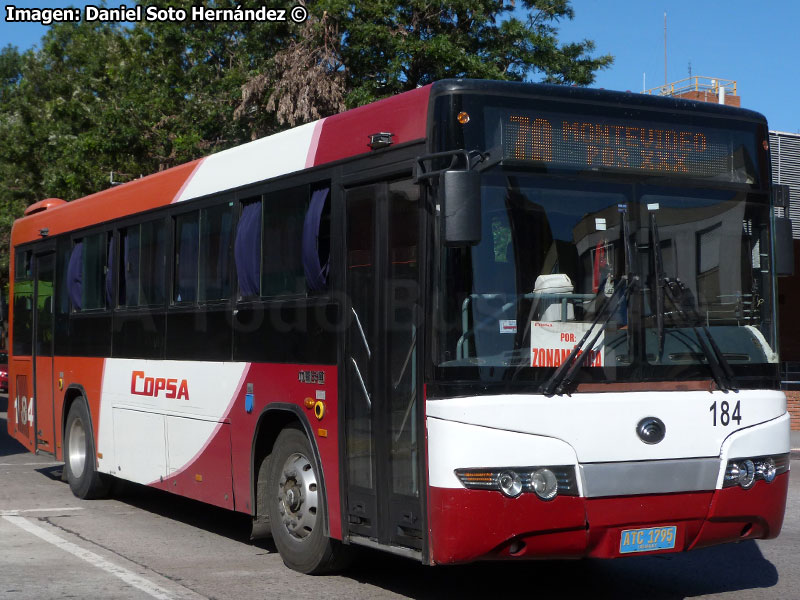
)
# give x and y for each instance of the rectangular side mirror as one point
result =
(784, 247)
(460, 193)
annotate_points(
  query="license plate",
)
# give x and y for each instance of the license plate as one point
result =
(647, 540)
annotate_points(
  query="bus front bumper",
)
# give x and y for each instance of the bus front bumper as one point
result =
(468, 525)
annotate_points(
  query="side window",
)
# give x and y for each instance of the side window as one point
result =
(153, 262)
(282, 273)
(87, 272)
(23, 265)
(142, 264)
(187, 245)
(282, 245)
(129, 242)
(317, 240)
(23, 303)
(216, 225)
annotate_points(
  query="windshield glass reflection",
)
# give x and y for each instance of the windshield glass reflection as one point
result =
(552, 255)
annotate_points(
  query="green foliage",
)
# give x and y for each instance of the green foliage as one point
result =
(96, 98)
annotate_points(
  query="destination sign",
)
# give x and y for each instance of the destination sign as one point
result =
(574, 141)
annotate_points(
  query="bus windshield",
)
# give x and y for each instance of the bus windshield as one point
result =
(552, 255)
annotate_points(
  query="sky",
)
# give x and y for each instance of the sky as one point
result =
(757, 44)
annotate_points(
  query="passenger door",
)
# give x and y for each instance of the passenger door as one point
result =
(44, 278)
(381, 373)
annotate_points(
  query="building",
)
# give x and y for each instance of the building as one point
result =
(785, 152)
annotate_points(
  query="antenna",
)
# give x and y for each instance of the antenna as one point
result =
(665, 48)
(690, 69)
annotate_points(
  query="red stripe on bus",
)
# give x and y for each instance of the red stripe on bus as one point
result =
(347, 134)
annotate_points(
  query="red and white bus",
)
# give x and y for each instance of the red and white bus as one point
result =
(478, 320)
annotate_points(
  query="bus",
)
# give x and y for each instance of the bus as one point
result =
(476, 320)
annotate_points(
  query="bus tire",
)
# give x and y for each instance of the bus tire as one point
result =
(297, 508)
(79, 455)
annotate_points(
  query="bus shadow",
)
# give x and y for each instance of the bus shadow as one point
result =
(709, 571)
(232, 525)
(54, 472)
(8, 445)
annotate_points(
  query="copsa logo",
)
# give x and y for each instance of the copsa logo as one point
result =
(151, 386)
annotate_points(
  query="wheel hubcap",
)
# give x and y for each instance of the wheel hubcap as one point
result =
(77, 448)
(297, 496)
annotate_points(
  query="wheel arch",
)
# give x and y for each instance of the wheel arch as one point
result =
(273, 419)
(71, 395)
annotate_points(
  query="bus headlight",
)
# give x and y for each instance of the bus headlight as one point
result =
(545, 482)
(766, 469)
(744, 472)
(510, 483)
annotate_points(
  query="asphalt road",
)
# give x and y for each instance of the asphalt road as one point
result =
(148, 544)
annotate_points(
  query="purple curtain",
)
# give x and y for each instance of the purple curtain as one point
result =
(247, 250)
(75, 275)
(316, 274)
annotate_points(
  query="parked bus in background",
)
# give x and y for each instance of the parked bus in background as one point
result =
(478, 320)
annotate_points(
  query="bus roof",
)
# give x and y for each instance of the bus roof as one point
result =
(595, 96)
(333, 138)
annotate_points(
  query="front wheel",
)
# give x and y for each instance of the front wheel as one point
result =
(79, 454)
(297, 508)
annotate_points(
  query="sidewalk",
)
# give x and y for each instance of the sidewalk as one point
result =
(795, 444)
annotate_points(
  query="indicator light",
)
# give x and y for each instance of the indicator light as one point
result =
(463, 117)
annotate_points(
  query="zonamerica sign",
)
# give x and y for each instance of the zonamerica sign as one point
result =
(151, 386)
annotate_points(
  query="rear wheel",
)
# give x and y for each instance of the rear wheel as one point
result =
(79, 455)
(297, 508)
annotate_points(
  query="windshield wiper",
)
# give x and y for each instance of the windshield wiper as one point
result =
(561, 380)
(658, 271)
(721, 370)
(677, 292)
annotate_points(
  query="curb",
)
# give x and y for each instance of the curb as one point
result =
(795, 454)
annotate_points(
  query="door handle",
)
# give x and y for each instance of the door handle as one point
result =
(361, 381)
(361, 331)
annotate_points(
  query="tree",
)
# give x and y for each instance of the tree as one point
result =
(370, 50)
(98, 97)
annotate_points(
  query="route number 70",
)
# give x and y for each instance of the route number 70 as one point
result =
(724, 416)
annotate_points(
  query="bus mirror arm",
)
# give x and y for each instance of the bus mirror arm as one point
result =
(459, 186)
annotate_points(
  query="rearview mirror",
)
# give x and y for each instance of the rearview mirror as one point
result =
(460, 193)
(784, 247)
